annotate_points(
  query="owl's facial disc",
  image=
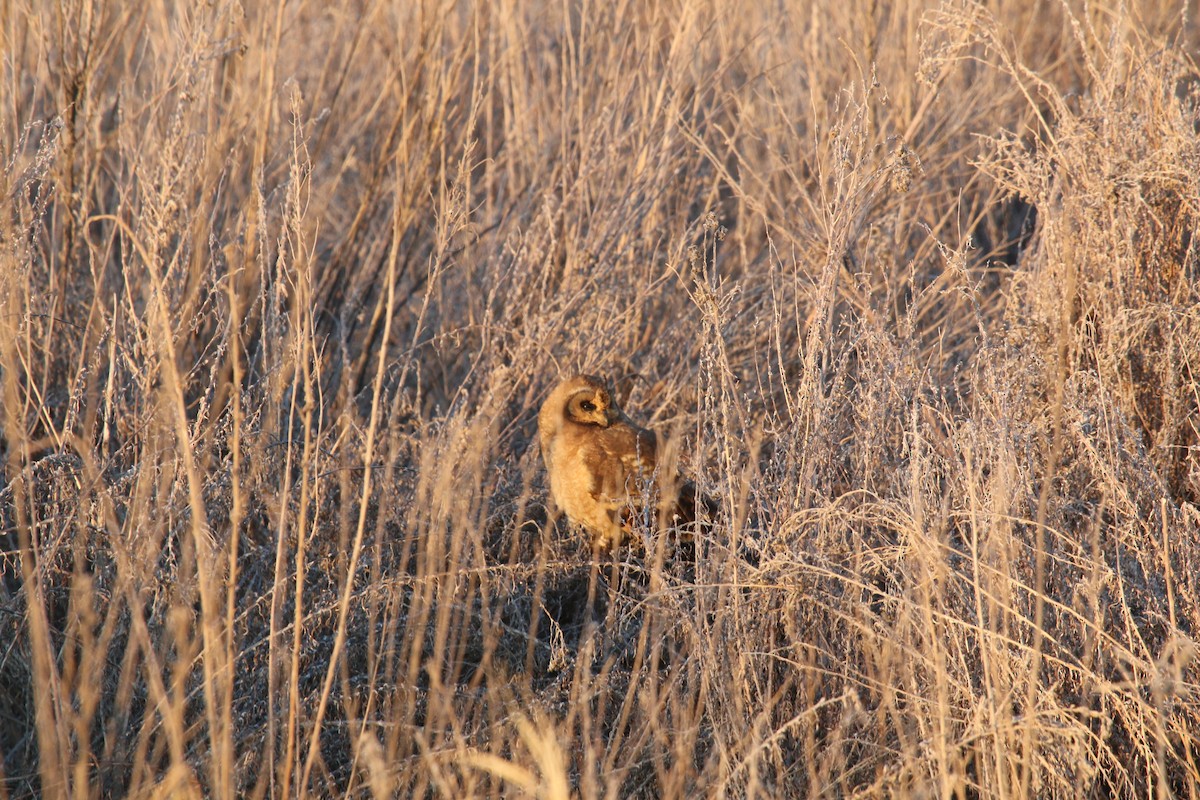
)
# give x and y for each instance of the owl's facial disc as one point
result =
(591, 408)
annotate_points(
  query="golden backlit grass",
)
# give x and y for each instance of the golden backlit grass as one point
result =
(913, 287)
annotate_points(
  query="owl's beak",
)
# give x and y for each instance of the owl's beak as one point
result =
(610, 414)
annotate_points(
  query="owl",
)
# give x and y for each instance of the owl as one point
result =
(603, 467)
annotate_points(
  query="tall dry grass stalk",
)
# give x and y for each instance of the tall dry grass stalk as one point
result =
(912, 285)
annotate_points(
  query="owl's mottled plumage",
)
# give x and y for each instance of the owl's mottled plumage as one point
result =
(601, 463)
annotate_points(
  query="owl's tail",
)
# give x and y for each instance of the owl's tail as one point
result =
(694, 512)
(693, 505)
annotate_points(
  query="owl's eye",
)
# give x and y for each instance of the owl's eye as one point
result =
(588, 405)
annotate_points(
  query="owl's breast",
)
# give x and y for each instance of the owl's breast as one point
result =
(579, 478)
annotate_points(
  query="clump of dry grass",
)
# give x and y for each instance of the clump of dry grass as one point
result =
(914, 286)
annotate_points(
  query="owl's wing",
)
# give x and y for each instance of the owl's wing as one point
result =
(629, 454)
(635, 448)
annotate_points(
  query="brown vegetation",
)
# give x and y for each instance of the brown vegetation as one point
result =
(914, 287)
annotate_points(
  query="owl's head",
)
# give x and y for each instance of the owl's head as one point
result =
(589, 402)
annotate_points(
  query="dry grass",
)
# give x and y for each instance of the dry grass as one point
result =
(914, 285)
